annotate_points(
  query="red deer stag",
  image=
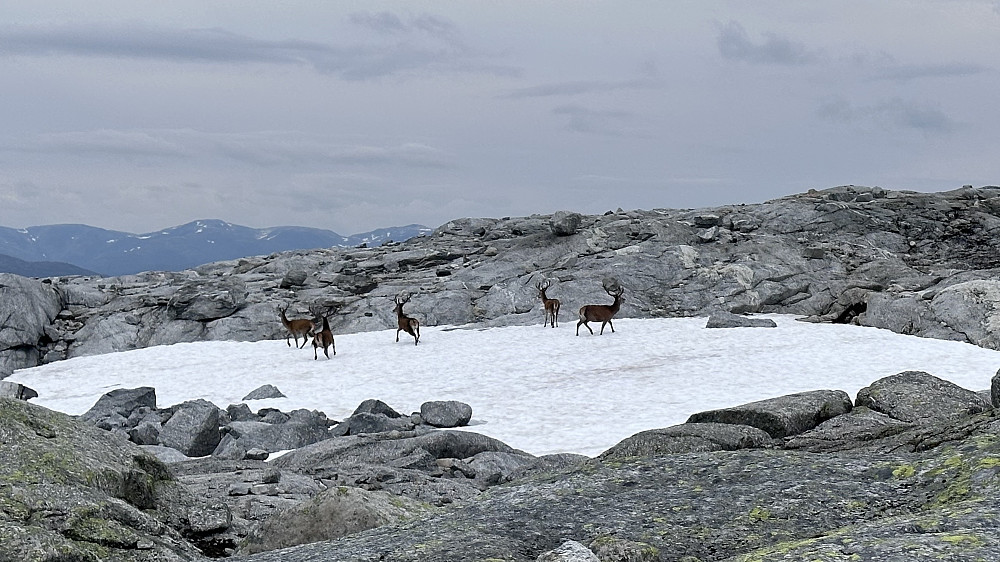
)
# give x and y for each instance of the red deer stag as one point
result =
(324, 339)
(405, 323)
(551, 305)
(296, 328)
(602, 313)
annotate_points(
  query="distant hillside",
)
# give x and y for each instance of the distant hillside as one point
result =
(111, 252)
(9, 264)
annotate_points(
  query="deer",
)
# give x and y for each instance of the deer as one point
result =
(602, 313)
(296, 328)
(324, 339)
(551, 305)
(405, 323)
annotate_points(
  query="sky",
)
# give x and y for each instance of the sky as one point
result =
(543, 390)
(139, 115)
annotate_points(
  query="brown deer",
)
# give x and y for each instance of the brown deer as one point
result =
(324, 339)
(296, 328)
(551, 305)
(602, 313)
(405, 323)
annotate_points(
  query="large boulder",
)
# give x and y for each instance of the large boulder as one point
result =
(120, 403)
(446, 413)
(722, 319)
(29, 306)
(782, 416)
(243, 436)
(972, 308)
(860, 426)
(193, 429)
(565, 223)
(921, 398)
(205, 300)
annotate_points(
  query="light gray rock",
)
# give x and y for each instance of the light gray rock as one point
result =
(446, 413)
(783, 416)
(205, 300)
(193, 429)
(569, 551)
(16, 391)
(28, 306)
(722, 319)
(974, 306)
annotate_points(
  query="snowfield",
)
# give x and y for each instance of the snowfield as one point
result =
(538, 389)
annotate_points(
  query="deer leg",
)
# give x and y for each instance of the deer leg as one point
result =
(612, 326)
(397, 335)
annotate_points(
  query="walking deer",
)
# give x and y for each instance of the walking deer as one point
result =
(296, 328)
(324, 339)
(551, 305)
(405, 323)
(602, 313)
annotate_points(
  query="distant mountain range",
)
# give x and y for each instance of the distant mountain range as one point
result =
(76, 249)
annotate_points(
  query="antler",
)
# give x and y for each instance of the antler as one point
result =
(401, 298)
(612, 287)
(541, 286)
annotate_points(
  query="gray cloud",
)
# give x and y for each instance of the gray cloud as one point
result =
(895, 112)
(216, 45)
(907, 72)
(581, 87)
(734, 44)
(599, 122)
(390, 23)
(261, 149)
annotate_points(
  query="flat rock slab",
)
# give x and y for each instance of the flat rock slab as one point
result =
(689, 438)
(730, 320)
(851, 430)
(782, 416)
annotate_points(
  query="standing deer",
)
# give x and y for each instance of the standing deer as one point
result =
(296, 328)
(551, 305)
(405, 323)
(324, 339)
(602, 313)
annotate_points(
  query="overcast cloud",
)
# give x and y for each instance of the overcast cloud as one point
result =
(351, 116)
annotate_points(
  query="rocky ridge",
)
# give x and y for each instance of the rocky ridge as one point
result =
(914, 263)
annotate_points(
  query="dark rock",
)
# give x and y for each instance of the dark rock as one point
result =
(564, 223)
(689, 438)
(372, 406)
(264, 392)
(722, 319)
(145, 434)
(121, 402)
(918, 397)
(257, 454)
(193, 429)
(241, 412)
(447, 413)
(373, 423)
(783, 416)
(995, 390)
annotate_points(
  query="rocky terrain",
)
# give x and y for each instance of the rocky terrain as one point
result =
(909, 468)
(914, 263)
